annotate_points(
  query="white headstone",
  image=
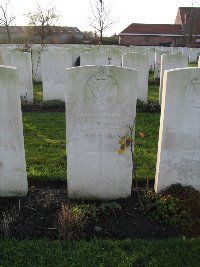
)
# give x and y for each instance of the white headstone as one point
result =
(13, 177)
(178, 155)
(22, 61)
(114, 56)
(100, 103)
(140, 62)
(158, 55)
(193, 55)
(186, 51)
(177, 50)
(53, 66)
(171, 61)
(93, 57)
(150, 52)
(1, 56)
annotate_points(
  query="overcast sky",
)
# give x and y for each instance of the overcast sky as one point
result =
(76, 12)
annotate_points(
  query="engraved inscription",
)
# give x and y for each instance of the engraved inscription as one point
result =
(193, 93)
(175, 63)
(99, 123)
(102, 89)
(99, 131)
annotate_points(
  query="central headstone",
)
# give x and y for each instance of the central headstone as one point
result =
(100, 103)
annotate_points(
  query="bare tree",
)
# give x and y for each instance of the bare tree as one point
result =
(43, 20)
(100, 17)
(6, 18)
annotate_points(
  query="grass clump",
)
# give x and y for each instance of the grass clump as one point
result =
(37, 92)
(54, 104)
(71, 223)
(177, 205)
(149, 107)
(94, 211)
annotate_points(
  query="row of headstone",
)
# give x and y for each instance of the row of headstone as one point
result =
(100, 103)
(98, 109)
(103, 55)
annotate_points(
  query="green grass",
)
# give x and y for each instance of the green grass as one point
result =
(46, 152)
(146, 149)
(153, 88)
(37, 92)
(44, 136)
(153, 93)
(100, 253)
(193, 64)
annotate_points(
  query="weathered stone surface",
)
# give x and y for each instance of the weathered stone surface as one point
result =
(193, 55)
(22, 61)
(140, 62)
(54, 64)
(13, 177)
(100, 103)
(178, 158)
(114, 56)
(171, 61)
(93, 57)
(157, 66)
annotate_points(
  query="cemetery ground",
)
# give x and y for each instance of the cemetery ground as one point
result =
(45, 228)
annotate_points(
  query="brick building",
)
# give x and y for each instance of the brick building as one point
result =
(184, 32)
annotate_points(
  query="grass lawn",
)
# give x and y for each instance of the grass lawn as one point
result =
(44, 135)
(193, 64)
(102, 253)
(146, 149)
(45, 145)
(37, 92)
(153, 93)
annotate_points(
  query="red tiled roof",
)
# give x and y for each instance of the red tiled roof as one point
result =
(139, 28)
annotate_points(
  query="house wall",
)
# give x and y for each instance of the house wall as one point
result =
(194, 42)
(76, 38)
(150, 40)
